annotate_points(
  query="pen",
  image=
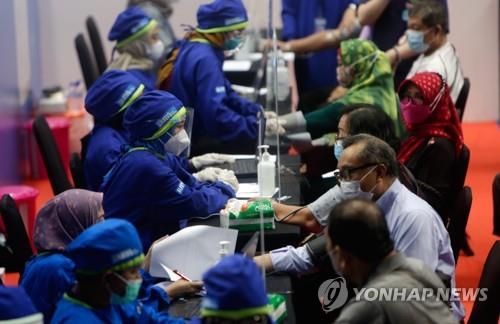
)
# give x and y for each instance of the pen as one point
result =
(181, 275)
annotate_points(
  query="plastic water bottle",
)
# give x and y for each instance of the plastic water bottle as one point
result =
(266, 173)
(75, 99)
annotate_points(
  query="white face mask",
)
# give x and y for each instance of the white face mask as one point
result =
(156, 50)
(178, 143)
(352, 189)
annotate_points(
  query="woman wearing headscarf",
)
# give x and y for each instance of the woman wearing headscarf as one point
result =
(138, 44)
(435, 137)
(48, 275)
(51, 273)
(365, 71)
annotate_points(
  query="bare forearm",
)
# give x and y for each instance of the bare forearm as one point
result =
(313, 43)
(296, 215)
(369, 12)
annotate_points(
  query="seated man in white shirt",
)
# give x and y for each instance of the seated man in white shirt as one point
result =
(427, 34)
(368, 169)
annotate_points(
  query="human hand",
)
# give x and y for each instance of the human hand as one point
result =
(183, 287)
(210, 174)
(211, 159)
(275, 126)
(229, 178)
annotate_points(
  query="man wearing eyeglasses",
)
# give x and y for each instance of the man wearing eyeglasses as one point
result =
(368, 168)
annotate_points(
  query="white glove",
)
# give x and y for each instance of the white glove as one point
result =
(217, 174)
(275, 126)
(229, 178)
(210, 159)
(270, 114)
(208, 174)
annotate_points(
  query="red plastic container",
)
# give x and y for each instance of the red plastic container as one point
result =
(25, 198)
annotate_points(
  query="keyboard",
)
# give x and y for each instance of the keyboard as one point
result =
(243, 168)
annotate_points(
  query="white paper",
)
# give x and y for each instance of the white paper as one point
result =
(236, 66)
(191, 251)
(249, 190)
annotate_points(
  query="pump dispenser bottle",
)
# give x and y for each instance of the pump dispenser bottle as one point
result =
(266, 173)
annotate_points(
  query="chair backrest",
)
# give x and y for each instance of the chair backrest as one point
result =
(458, 221)
(462, 98)
(488, 311)
(76, 168)
(51, 156)
(87, 63)
(17, 238)
(97, 48)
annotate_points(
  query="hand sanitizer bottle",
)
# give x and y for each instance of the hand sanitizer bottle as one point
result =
(266, 173)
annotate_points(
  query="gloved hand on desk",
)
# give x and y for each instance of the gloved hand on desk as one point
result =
(217, 174)
(199, 162)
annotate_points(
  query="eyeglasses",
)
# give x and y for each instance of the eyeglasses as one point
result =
(345, 173)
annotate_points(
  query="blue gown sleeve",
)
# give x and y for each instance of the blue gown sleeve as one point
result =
(220, 120)
(137, 312)
(180, 200)
(239, 104)
(288, 18)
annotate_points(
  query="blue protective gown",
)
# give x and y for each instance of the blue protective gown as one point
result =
(103, 149)
(102, 152)
(303, 18)
(70, 310)
(45, 279)
(199, 82)
(156, 193)
(148, 78)
(49, 275)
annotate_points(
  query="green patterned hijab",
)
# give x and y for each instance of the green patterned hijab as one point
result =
(373, 82)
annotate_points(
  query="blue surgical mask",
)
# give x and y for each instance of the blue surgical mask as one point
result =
(131, 291)
(416, 41)
(337, 149)
(232, 43)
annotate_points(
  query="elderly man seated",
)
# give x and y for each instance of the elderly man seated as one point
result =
(368, 169)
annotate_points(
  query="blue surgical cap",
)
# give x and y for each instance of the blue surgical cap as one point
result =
(222, 16)
(112, 93)
(130, 25)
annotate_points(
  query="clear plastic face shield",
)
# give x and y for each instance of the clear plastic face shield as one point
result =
(234, 41)
(188, 127)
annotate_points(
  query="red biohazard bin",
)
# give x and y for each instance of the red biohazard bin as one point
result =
(25, 198)
(32, 166)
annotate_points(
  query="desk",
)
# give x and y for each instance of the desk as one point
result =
(275, 284)
(284, 234)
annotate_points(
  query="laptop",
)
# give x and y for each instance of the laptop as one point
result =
(188, 308)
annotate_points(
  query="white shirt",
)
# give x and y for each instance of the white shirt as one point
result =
(416, 229)
(445, 62)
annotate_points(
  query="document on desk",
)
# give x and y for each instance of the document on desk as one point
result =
(190, 251)
(249, 190)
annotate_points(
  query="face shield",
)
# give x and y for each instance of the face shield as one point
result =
(188, 127)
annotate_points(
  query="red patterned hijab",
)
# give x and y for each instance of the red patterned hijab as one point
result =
(443, 121)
